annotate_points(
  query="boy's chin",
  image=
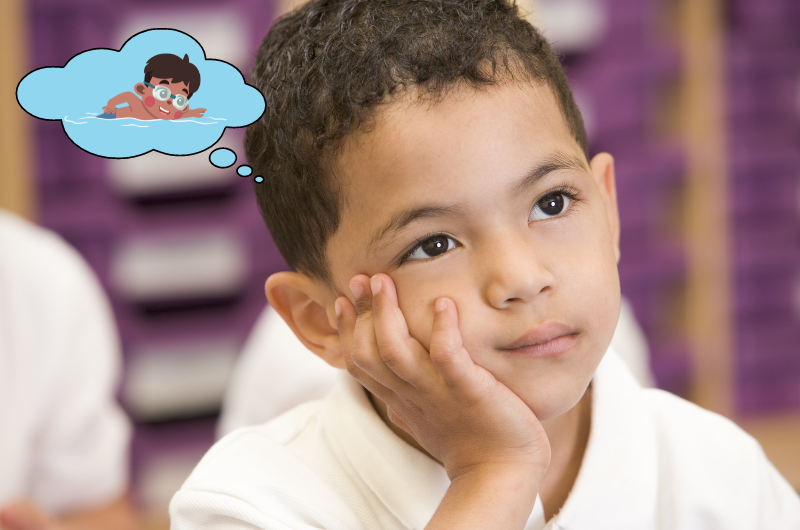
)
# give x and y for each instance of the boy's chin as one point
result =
(549, 407)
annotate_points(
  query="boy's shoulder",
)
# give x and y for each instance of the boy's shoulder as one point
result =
(701, 448)
(676, 417)
(135, 109)
(259, 476)
(248, 448)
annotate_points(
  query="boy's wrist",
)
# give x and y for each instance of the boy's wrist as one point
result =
(512, 476)
(489, 496)
(500, 467)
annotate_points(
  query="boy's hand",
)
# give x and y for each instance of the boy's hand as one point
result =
(454, 408)
(193, 113)
(110, 107)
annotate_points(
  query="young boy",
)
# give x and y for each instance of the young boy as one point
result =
(455, 251)
(169, 83)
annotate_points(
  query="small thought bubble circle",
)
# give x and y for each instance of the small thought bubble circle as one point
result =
(259, 179)
(244, 171)
(222, 157)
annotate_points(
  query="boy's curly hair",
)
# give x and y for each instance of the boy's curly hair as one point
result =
(326, 67)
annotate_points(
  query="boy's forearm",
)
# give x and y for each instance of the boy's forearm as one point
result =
(125, 97)
(488, 498)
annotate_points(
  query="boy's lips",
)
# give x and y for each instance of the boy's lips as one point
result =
(163, 111)
(551, 338)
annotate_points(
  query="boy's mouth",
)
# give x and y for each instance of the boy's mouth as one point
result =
(165, 112)
(551, 338)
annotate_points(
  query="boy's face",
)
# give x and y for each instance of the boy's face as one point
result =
(162, 110)
(490, 173)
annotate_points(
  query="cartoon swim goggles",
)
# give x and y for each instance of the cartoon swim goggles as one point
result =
(162, 93)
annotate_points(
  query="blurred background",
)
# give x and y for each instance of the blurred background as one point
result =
(698, 101)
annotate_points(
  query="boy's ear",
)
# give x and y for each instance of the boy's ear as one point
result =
(603, 170)
(307, 307)
(139, 88)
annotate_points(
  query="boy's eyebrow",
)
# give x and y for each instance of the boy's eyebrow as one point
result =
(167, 81)
(555, 162)
(401, 219)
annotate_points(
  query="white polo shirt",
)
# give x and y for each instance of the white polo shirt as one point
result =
(63, 438)
(653, 461)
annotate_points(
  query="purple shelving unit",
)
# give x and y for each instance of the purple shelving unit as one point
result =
(763, 96)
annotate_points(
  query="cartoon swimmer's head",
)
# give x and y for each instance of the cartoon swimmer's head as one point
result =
(169, 82)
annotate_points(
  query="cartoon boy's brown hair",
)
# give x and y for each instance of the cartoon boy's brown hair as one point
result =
(327, 67)
(169, 66)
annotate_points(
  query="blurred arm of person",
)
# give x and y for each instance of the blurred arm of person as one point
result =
(275, 372)
(25, 515)
(63, 438)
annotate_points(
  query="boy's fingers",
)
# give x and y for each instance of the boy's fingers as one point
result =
(398, 350)
(359, 286)
(364, 350)
(346, 322)
(447, 351)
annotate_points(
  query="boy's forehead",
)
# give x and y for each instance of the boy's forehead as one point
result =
(456, 151)
(167, 79)
(413, 133)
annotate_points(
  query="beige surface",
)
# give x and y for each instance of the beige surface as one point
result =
(779, 435)
(16, 176)
(707, 230)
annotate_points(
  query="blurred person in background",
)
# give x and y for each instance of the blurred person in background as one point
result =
(63, 438)
(276, 372)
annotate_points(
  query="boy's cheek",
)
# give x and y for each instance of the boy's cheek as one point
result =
(417, 304)
(149, 101)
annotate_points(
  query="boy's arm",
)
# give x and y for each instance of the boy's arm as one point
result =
(499, 497)
(24, 515)
(493, 447)
(126, 97)
(192, 113)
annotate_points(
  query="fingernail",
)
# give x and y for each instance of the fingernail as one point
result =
(337, 307)
(441, 304)
(356, 288)
(375, 284)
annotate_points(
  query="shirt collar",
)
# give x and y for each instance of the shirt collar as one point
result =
(615, 487)
(617, 482)
(409, 483)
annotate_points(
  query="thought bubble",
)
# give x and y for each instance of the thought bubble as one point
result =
(222, 157)
(82, 96)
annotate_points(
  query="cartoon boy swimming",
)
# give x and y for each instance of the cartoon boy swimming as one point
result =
(169, 82)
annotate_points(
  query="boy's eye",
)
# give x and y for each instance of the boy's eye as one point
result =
(549, 206)
(431, 247)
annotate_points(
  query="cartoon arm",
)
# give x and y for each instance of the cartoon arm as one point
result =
(192, 113)
(126, 97)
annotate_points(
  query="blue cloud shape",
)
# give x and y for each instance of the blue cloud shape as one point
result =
(76, 94)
